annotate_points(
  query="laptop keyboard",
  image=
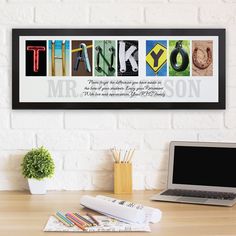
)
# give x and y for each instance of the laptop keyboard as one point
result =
(201, 194)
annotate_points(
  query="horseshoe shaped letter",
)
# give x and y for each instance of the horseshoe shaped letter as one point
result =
(199, 65)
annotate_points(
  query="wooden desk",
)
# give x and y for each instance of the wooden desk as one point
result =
(22, 214)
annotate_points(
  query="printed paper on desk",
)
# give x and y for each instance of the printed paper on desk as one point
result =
(106, 224)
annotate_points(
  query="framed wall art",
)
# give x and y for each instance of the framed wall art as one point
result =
(118, 68)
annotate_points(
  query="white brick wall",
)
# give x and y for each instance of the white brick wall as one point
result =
(90, 120)
(79, 140)
(36, 120)
(169, 15)
(149, 120)
(54, 14)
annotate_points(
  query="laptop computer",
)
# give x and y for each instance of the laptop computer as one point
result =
(201, 173)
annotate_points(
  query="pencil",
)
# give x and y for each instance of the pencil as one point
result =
(125, 157)
(63, 220)
(119, 155)
(92, 218)
(77, 218)
(131, 155)
(77, 223)
(89, 223)
(113, 155)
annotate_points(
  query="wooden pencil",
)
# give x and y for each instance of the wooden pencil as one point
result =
(116, 155)
(66, 222)
(119, 156)
(127, 159)
(89, 223)
(131, 156)
(76, 222)
(92, 218)
(79, 219)
(113, 155)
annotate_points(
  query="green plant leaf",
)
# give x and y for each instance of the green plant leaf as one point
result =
(38, 164)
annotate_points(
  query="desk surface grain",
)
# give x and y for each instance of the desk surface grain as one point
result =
(22, 214)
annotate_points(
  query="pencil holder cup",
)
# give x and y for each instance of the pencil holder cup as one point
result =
(122, 178)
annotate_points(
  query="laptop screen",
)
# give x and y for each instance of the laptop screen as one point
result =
(207, 166)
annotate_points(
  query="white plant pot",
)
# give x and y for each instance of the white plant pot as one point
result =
(37, 186)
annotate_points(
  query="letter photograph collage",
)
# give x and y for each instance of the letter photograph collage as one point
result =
(106, 67)
(118, 58)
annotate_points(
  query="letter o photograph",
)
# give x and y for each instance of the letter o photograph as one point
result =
(179, 58)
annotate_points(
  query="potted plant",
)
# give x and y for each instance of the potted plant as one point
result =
(37, 166)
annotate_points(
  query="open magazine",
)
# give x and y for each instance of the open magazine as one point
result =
(122, 210)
